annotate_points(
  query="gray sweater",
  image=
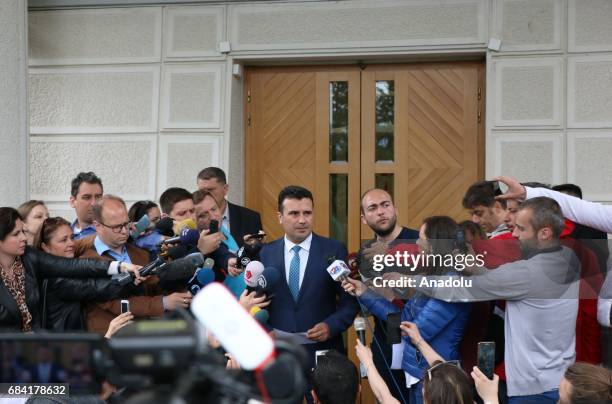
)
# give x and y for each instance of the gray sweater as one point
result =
(540, 319)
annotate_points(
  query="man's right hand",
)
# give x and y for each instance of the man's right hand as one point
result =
(176, 300)
(209, 242)
(354, 287)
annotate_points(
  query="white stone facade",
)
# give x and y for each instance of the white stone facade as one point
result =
(112, 83)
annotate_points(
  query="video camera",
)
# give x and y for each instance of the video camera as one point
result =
(164, 361)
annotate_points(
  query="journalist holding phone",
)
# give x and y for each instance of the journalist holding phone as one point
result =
(21, 267)
(441, 323)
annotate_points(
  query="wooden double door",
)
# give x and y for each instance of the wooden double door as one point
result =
(415, 130)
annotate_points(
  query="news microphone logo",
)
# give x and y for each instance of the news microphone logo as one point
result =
(338, 270)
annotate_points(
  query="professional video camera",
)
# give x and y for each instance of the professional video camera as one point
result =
(169, 360)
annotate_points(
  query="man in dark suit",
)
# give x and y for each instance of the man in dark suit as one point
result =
(306, 299)
(239, 220)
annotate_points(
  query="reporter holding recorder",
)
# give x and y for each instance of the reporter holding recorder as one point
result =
(442, 323)
(22, 266)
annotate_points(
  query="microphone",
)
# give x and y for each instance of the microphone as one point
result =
(175, 252)
(164, 227)
(219, 311)
(248, 253)
(202, 277)
(184, 224)
(125, 278)
(186, 237)
(262, 316)
(181, 269)
(266, 281)
(253, 270)
(360, 328)
(338, 270)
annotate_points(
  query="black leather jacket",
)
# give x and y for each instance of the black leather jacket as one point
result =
(38, 265)
(63, 300)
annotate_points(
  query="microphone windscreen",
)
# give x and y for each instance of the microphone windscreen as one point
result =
(359, 324)
(338, 270)
(184, 224)
(268, 278)
(262, 316)
(205, 276)
(164, 227)
(252, 272)
(189, 236)
(178, 251)
(182, 269)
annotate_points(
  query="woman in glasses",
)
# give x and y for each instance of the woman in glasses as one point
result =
(63, 297)
(21, 268)
(441, 323)
(33, 213)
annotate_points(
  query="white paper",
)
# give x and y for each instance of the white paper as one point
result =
(297, 337)
(398, 354)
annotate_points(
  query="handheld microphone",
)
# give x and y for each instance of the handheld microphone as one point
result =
(184, 224)
(360, 328)
(127, 277)
(186, 237)
(248, 253)
(338, 270)
(175, 252)
(202, 277)
(181, 269)
(164, 227)
(267, 280)
(253, 270)
(262, 316)
(234, 327)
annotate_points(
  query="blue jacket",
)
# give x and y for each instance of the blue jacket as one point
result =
(440, 323)
(320, 299)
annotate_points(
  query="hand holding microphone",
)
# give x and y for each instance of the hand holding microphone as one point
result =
(340, 272)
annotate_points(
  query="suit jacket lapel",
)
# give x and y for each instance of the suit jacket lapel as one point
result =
(234, 219)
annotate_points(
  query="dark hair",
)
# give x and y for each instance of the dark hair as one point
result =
(213, 172)
(571, 189)
(475, 230)
(8, 219)
(48, 228)
(546, 213)
(441, 232)
(98, 207)
(535, 184)
(25, 208)
(139, 209)
(293, 192)
(199, 195)
(590, 384)
(90, 178)
(335, 379)
(171, 196)
(448, 385)
(481, 193)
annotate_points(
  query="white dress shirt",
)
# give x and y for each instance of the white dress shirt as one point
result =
(304, 251)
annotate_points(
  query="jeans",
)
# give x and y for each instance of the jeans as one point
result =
(551, 397)
(416, 393)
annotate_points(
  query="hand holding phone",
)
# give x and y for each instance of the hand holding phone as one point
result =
(125, 306)
(486, 358)
(214, 227)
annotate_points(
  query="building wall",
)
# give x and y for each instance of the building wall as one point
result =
(110, 84)
(13, 102)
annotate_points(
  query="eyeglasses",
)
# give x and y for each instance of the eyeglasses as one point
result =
(437, 365)
(118, 227)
